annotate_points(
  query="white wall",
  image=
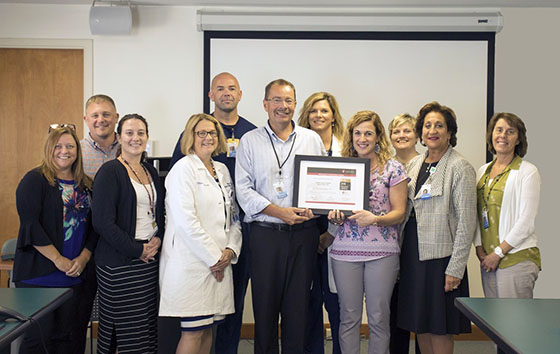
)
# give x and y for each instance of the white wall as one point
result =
(527, 83)
(157, 72)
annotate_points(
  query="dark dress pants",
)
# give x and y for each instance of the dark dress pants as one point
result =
(320, 293)
(282, 263)
(62, 331)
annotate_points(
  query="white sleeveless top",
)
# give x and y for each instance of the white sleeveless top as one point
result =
(145, 229)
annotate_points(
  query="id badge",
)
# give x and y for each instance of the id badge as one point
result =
(426, 191)
(485, 219)
(280, 190)
(232, 146)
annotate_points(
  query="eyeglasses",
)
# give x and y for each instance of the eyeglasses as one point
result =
(67, 125)
(203, 133)
(278, 100)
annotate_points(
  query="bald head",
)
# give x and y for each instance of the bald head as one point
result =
(225, 92)
(223, 76)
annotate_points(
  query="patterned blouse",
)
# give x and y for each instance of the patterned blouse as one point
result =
(75, 213)
(358, 244)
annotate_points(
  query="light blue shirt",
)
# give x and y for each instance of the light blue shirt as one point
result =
(257, 171)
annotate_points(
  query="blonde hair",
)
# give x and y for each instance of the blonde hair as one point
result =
(48, 167)
(187, 141)
(400, 120)
(384, 153)
(99, 99)
(303, 121)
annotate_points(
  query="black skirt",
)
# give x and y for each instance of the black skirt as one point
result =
(423, 305)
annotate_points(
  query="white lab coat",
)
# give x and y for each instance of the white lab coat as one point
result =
(198, 229)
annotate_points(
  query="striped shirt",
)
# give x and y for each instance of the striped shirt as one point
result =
(94, 156)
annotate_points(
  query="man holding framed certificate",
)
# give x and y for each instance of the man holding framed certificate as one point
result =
(283, 239)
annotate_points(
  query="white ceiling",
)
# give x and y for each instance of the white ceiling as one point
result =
(319, 3)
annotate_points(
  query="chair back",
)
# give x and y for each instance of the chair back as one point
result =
(9, 249)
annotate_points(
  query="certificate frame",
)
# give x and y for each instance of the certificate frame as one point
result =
(324, 183)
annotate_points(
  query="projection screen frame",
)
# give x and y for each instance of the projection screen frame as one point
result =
(489, 37)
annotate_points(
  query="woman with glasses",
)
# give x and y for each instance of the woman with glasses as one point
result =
(56, 239)
(128, 214)
(366, 249)
(203, 237)
(320, 113)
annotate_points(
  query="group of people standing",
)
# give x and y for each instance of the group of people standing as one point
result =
(95, 217)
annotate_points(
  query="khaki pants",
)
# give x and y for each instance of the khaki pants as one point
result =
(516, 282)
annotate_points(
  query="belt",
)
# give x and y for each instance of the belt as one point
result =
(285, 227)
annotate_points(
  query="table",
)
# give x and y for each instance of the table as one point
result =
(528, 326)
(31, 302)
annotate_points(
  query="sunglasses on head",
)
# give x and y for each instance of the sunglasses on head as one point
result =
(56, 126)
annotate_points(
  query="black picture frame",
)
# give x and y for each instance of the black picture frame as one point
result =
(348, 175)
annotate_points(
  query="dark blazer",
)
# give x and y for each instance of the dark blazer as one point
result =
(40, 210)
(114, 214)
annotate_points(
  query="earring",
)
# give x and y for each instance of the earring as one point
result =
(376, 148)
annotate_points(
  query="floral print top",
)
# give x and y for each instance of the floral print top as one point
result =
(75, 212)
(358, 244)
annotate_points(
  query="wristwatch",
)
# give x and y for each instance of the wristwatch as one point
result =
(499, 252)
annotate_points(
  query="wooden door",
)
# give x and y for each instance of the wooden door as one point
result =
(38, 87)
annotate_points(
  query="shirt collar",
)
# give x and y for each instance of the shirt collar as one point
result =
(515, 164)
(269, 129)
(96, 145)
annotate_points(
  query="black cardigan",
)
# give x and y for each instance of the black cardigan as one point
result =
(40, 210)
(114, 214)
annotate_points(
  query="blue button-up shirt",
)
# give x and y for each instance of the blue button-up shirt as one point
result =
(257, 168)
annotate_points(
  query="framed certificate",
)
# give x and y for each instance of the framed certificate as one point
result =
(324, 183)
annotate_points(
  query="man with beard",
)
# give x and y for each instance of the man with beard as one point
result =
(283, 239)
(226, 94)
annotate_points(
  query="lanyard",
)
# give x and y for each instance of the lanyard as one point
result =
(486, 196)
(276, 154)
(151, 197)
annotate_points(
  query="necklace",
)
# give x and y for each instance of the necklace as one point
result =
(151, 197)
(428, 167)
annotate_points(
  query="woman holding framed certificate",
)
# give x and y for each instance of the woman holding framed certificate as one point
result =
(365, 250)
